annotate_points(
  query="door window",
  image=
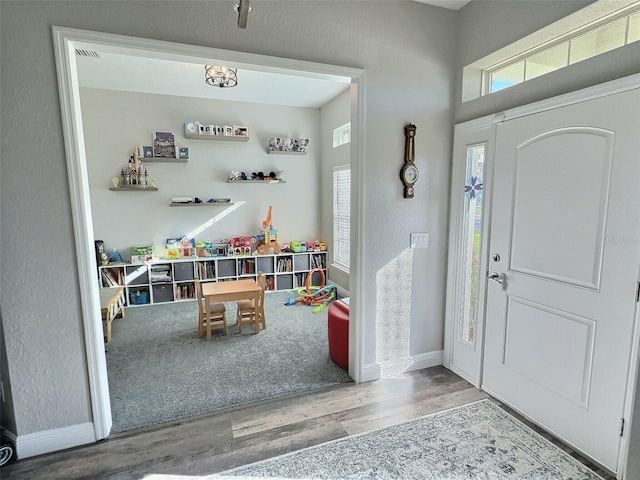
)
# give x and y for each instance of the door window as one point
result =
(471, 245)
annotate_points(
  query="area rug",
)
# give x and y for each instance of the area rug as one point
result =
(471, 442)
(160, 371)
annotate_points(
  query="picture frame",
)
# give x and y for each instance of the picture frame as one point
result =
(183, 152)
(164, 145)
(240, 131)
(147, 151)
(227, 130)
(168, 151)
(163, 139)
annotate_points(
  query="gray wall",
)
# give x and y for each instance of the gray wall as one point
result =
(333, 115)
(486, 26)
(408, 52)
(7, 419)
(123, 219)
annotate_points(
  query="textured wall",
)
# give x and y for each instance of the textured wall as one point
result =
(123, 219)
(485, 27)
(408, 52)
(333, 115)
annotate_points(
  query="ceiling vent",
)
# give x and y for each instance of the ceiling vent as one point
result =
(87, 53)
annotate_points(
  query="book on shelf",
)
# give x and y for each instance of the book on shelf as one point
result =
(111, 277)
(185, 292)
(206, 270)
(270, 283)
(284, 265)
(317, 261)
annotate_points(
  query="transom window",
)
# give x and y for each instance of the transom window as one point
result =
(603, 35)
(342, 135)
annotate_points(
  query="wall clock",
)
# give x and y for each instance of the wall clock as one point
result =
(409, 171)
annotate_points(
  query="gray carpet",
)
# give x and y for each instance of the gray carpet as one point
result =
(471, 442)
(159, 370)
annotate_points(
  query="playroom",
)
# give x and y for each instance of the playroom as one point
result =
(189, 192)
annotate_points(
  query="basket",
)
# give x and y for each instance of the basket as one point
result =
(139, 298)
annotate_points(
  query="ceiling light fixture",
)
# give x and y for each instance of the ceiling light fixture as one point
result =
(220, 76)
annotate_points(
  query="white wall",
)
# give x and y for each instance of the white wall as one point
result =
(333, 115)
(115, 122)
(407, 50)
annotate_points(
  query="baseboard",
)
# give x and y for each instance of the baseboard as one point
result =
(374, 371)
(47, 441)
(426, 360)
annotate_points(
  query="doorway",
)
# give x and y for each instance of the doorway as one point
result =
(559, 268)
(66, 41)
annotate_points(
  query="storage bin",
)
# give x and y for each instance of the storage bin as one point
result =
(138, 298)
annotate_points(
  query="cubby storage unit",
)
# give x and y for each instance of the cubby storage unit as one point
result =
(163, 281)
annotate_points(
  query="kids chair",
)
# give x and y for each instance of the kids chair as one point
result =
(248, 312)
(338, 331)
(217, 315)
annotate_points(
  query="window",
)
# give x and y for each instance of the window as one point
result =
(605, 34)
(342, 135)
(342, 217)
(467, 314)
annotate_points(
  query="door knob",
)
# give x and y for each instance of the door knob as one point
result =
(497, 277)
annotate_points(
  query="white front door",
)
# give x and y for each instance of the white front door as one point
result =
(564, 265)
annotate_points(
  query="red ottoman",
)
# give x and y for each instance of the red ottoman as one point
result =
(338, 328)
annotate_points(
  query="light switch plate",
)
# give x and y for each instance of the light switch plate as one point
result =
(419, 240)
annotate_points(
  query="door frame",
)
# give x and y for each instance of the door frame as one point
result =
(473, 132)
(488, 126)
(65, 41)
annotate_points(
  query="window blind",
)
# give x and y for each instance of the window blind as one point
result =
(341, 216)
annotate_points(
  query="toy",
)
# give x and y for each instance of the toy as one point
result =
(6, 451)
(291, 300)
(325, 302)
(298, 247)
(267, 221)
(115, 257)
(270, 237)
(319, 296)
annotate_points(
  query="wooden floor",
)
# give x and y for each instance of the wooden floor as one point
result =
(208, 444)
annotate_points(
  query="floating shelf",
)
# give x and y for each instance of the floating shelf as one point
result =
(220, 138)
(132, 188)
(164, 160)
(256, 181)
(285, 152)
(203, 204)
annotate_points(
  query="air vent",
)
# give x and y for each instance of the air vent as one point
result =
(87, 53)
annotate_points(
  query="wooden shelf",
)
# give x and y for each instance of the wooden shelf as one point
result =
(219, 138)
(203, 204)
(285, 152)
(256, 181)
(133, 188)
